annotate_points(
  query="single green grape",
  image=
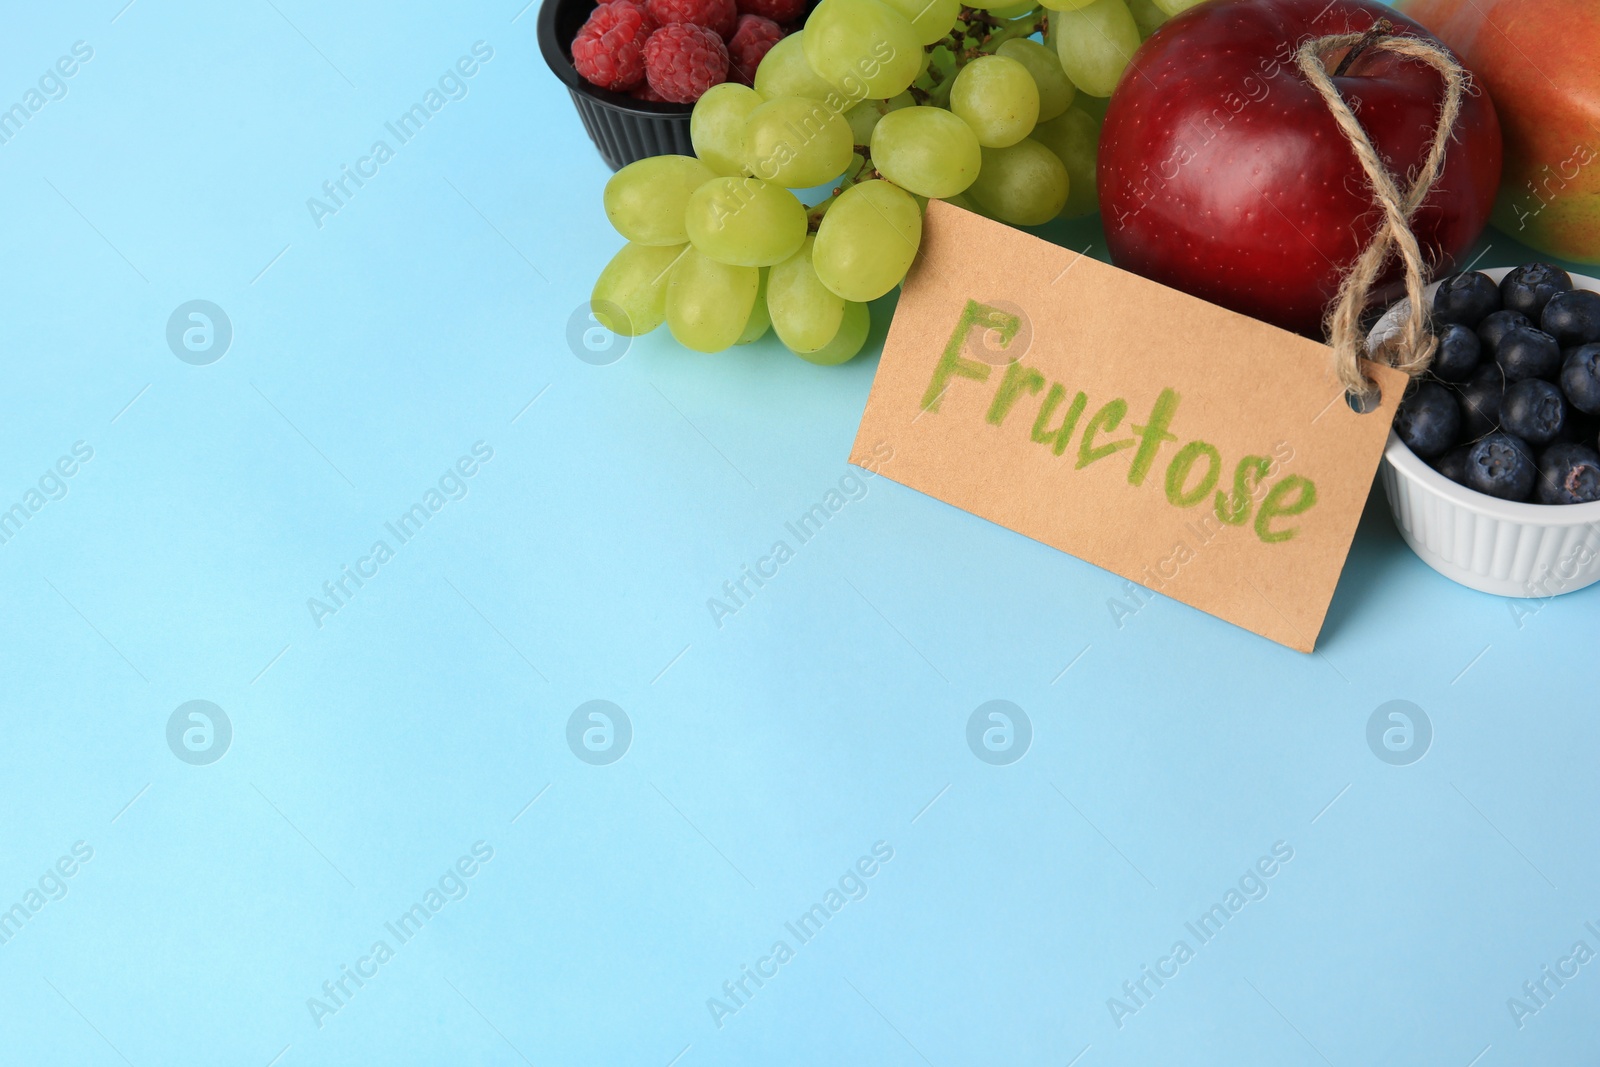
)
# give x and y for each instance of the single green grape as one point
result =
(1095, 44)
(1023, 184)
(805, 313)
(745, 222)
(1147, 15)
(865, 48)
(1074, 137)
(1055, 89)
(926, 150)
(1065, 5)
(998, 98)
(864, 117)
(645, 199)
(854, 326)
(867, 240)
(931, 19)
(785, 71)
(796, 142)
(630, 296)
(1175, 7)
(716, 127)
(760, 319)
(709, 303)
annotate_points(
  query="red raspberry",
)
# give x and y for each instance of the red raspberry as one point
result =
(719, 15)
(751, 41)
(642, 91)
(609, 49)
(776, 10)
(682, 61)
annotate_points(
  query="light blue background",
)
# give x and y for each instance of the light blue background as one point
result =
(767, 756)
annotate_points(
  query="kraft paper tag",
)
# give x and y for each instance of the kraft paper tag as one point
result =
(1201, 453)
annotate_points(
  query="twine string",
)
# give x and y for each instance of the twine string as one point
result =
(1412, 348)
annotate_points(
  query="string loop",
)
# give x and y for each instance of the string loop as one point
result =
(1412, 347)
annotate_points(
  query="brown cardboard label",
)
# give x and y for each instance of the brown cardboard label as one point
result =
(1201, 453)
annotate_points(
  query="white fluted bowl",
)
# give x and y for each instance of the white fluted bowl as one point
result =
(1495, 546)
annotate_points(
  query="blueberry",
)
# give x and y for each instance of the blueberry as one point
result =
(1528, 353)
(1528, 289)
(1453, 464)
(1572, 318)
(1569, 474)
(1534, 410)
(1580, 378)
(1428, 420)
(1465, 299)
(1501, 465)
(1491, 329)
(1480, 401)
(1457, 358)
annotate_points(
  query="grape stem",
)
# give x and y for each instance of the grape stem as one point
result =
(976, 33)
(861, 170)
(1035, 21)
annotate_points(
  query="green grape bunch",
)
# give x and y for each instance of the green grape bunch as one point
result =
(873, 108)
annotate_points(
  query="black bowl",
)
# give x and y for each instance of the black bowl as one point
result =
(623, 128)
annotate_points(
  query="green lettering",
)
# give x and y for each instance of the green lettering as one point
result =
(951, 362)
(1278, 502)
(1178, 474)
(1235, 510)
(1058, 438)
(1108, 417)
(1151, 434)
(1017, 378)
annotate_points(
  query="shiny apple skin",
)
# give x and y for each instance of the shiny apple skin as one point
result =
(1223, 173)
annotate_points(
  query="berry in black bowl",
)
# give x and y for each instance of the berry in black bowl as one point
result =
(1528, 289)
(1572, 318)
(1535, 411)
(1465, 299)
(1569, 474)
(624, 127)
(624, 75)
(1429, 420)
(1501, 465)
(1528, 353)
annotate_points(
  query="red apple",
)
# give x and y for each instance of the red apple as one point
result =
(1538, 60)
(1223, 173)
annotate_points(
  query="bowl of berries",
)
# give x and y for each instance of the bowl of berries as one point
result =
(1493, 468)
(636, 67)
